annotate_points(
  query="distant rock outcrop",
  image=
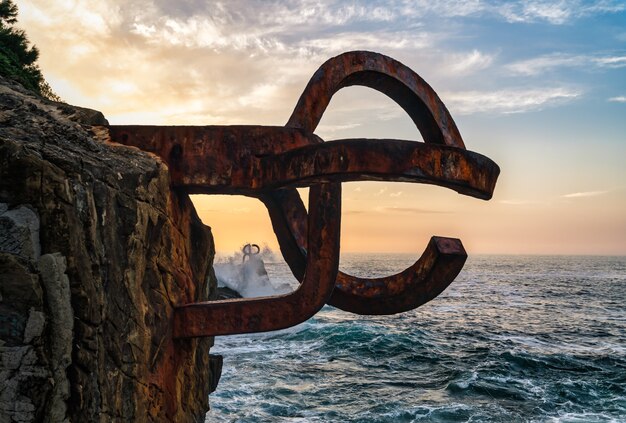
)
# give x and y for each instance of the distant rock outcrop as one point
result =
(95, 249)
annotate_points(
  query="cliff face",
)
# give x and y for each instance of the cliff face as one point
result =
(94, 252)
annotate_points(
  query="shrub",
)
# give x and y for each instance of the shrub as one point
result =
(18, 59)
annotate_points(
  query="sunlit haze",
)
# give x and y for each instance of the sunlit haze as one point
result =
(537, 86)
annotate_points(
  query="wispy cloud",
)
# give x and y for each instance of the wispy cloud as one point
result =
(381, 40)
(536, 11)
(541, 64)
(325, 130)
(516, 202)
(610, 61)
(464, 63)
(618, 99)
(413, 210)
(527, 202)
(555, 12)
(446, 8)
(585, 194)
(402, 210)
(508, 101)
(395, 194)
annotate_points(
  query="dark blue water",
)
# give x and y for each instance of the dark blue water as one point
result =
(512, 339)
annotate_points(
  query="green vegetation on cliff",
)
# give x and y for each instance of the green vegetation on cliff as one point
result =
(17, 58)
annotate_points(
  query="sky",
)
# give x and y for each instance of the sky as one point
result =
(537, 86)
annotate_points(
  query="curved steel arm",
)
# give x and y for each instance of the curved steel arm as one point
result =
(228, 317)
(436, 125)
(430, 275)
(383, 74)
(437, 267)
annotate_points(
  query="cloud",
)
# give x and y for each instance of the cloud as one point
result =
(402, 210)
(520, 202)
(239, 62)
(395, 194)
(611, 61)
(327, 130)
(444, 8)
(507, 101)
(555, 12)
(246, 62)
(469, 62)
(300, 27)
(618, 99)
(413, 210)
(542, 64)
(345, 41)
(515, 202)
(585, 194)
(348, 212)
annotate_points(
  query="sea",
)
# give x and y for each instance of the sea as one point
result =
(512, 339)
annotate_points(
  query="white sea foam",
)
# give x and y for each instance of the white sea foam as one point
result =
(584, 418)
(249, 279)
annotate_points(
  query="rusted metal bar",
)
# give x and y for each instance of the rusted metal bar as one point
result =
(249, 165)
(234, 316)
(218, 159)
(378, 160)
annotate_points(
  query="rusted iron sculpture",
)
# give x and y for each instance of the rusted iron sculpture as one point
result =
(249, 250)
(270, 162)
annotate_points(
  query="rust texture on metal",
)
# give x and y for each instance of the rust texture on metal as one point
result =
(442, 260)
(268, 163)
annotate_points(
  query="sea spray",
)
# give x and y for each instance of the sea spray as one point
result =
(246, 274)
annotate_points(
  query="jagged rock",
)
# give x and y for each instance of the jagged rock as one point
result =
(25, 375)
(225, 293)
(19, 231)
(95, 249)
(57, 287)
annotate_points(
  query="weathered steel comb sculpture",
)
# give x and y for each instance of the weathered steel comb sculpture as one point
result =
(270, 162)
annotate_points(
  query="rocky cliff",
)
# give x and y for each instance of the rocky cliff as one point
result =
(95, 250)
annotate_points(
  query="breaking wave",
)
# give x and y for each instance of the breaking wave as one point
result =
(248, 275)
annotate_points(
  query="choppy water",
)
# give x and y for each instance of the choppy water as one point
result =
(512, 339)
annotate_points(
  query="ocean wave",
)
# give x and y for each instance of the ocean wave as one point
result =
(518, 339)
